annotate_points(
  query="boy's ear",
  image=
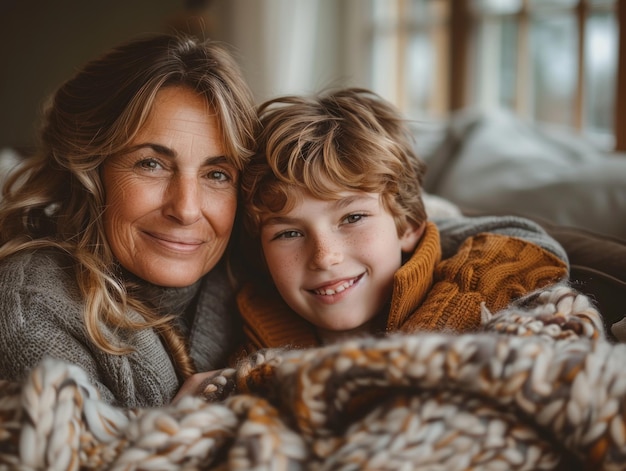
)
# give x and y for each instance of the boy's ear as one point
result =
(411, 236)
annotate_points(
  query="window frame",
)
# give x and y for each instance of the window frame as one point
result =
(461, 23)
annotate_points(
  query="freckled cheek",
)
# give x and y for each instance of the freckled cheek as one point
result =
(284, 267)
(361, 244)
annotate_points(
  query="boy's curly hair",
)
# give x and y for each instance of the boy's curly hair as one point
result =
(350, 139)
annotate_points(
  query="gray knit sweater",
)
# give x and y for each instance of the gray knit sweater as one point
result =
(41, 316)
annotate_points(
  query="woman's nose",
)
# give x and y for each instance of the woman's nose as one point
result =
(184, 200)
(325, 252)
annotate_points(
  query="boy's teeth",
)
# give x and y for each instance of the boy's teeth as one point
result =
(338, 289)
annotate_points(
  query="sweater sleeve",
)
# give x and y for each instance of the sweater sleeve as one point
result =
(453, 231)
(490, 268)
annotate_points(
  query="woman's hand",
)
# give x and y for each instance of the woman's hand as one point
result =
(192, 385)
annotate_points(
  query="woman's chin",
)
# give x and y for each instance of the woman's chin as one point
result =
(173, 277)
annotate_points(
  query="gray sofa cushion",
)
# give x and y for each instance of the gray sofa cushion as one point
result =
(498, 163)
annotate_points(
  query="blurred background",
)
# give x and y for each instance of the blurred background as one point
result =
(556, 62)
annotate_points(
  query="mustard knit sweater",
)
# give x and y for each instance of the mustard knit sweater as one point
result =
(428, 293)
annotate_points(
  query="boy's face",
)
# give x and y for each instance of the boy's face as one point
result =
(333, 261)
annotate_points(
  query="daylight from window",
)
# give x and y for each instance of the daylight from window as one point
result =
(554, 61)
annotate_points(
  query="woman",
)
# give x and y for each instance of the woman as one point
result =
(113, 236)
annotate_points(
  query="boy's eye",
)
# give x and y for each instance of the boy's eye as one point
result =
(288, 235)
(352, 218)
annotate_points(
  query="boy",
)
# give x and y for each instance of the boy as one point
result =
(333, 201)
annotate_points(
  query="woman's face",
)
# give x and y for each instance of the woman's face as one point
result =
(171, 197)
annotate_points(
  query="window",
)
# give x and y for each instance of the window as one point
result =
(407, 65)
(558, 62)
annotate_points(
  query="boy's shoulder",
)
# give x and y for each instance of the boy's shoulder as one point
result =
(453, 231)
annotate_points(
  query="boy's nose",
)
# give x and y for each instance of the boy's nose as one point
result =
(325, 254)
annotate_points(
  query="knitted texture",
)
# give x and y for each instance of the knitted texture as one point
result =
(488, 268)
(538, 388)
(455, 230)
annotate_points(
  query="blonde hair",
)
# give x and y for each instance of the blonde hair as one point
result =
(56, 197)
(349, 139)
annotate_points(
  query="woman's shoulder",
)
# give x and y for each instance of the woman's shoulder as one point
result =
(33, 266)
(37, 277)
(40, 308)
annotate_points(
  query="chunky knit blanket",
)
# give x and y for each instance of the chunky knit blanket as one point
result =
(539, 388)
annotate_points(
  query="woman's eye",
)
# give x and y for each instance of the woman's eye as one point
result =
(218, 175)
(149, 164)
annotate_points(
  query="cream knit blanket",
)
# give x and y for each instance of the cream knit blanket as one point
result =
(540, 388)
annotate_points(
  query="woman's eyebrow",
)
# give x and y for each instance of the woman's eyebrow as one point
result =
(172, 154)
(217, 160)
(158, 148)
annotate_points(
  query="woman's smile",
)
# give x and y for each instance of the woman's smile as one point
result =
(175, 243)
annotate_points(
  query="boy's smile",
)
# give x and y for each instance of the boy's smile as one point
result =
(333, 261)
(336, 287)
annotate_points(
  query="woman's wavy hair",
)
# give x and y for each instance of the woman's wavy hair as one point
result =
(348, 139)
(56, 198)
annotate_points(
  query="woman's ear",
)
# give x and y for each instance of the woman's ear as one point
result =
(411, 236)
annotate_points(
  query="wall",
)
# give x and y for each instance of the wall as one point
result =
(42, 42)
(293, 46)
(283, 46)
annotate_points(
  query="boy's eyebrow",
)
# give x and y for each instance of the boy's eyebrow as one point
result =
(274, 220)
(340, 203)
(348, 200)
